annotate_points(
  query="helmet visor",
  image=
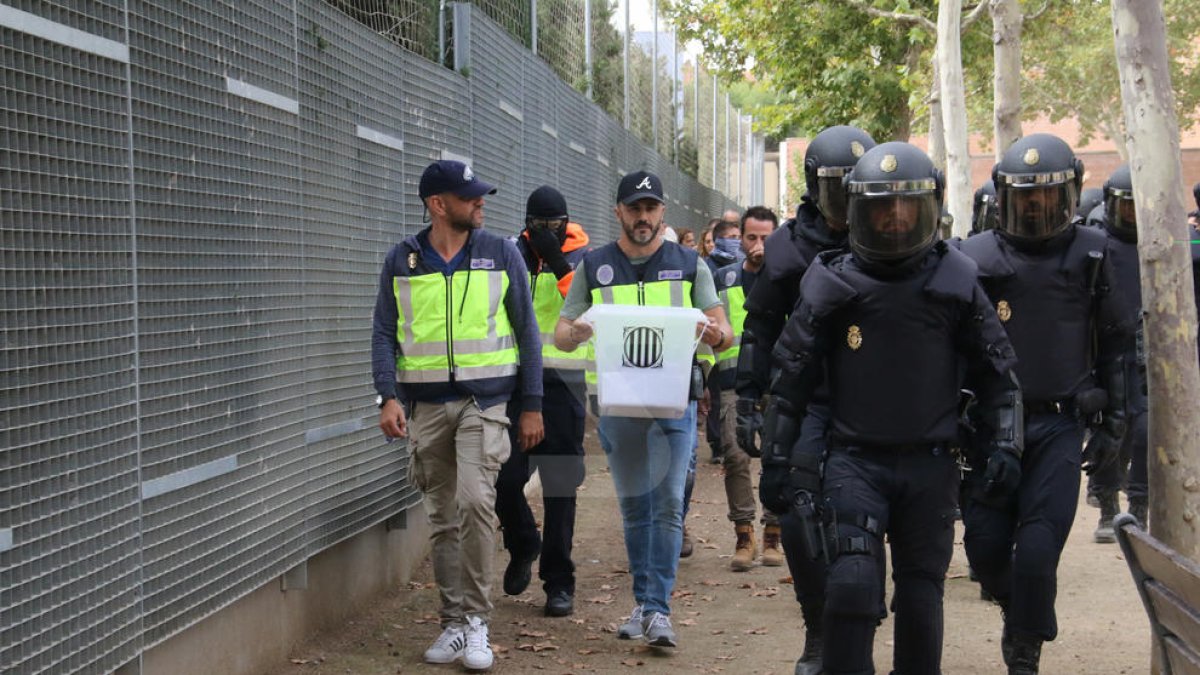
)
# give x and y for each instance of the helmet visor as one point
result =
(893, 226)
(831, 194)
(1037, 211)
(1121, 215)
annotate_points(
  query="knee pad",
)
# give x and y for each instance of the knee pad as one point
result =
(854, 587)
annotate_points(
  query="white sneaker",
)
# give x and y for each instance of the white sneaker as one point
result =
(632, 628)
(449, 646)
(478, 655)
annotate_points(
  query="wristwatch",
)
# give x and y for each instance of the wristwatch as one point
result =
(380, 400)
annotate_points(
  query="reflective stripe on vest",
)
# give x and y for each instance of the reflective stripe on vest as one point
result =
(547, 303)
(734, 298)
(461, 332)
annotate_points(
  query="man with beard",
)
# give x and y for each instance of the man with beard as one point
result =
(443, 350)
(648, 457)
(734, 283)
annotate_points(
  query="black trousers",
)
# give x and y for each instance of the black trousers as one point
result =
(910, 494)
(1014, 548)
(559, 461)
(808, 575)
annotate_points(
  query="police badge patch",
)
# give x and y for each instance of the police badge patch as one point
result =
(1003, 310)
(1032, 157)
(604, 274)
(888, 164)
(412, 260)
(854, 337)
(730, 277)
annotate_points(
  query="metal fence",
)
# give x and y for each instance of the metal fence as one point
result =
(196, 200)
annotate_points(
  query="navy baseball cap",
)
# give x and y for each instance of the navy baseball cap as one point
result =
(639, 185)
(447, 175)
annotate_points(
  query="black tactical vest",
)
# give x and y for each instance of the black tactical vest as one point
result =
(892, 360)
(1045, 302)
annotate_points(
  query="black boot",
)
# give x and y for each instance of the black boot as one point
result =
(1022, 652)
(1138, 508)
(811, 660)
(1109, 507)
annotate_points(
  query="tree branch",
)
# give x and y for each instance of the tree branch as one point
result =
(912, 19)
(1035, 15)
(974, 15)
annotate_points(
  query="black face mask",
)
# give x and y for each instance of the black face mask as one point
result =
(557, 225)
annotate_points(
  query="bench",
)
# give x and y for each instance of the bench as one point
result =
(1170, 588)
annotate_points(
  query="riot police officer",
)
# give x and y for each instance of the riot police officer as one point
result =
(1120, 221)
(983, 209)
(1089, 199)
(905, 313)
(819, 225)
(1051, 286)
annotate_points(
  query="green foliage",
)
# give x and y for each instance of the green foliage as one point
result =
(1076, 77)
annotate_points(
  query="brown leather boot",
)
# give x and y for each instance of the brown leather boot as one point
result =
(772, 550)
(743, 553)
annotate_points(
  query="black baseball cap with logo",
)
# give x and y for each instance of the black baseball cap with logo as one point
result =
(639, 185)
(448, 175)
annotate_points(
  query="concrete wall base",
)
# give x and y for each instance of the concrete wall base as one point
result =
(256, 633)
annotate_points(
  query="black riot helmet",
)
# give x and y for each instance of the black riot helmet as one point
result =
(1120, 219)
(1037, 188)
(829, 157)
(984, 213)
(1088, 200)
(895, 202)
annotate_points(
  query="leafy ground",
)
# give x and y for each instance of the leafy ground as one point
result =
(731, 622)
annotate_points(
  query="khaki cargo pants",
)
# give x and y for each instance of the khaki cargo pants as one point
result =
(457, 450)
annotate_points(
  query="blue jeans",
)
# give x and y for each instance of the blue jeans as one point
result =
(648, 459)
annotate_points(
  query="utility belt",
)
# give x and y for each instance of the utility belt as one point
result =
(930, 448)
(1087, 406)
(1049, 407)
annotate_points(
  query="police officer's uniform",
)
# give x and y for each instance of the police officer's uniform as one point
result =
(787, 254)
(1049, 282)
(889, 326)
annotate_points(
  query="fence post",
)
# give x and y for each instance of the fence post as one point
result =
(587, 47)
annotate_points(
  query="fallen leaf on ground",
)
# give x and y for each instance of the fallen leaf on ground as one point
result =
(633, 662)
(537, 647)
(605, 599)
(532, 633)
(587, 651)
(786, 580)
(756, 631)
(688, 622)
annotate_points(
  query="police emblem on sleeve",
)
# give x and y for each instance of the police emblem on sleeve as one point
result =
(412, 260)
(854, 337)
(1003, 310)
(730, 277)
(643, 347)
(604, 274)
(888, 164)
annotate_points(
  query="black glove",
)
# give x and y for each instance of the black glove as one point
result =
(1001, 477)
(749, 426)
(545, 243)
(1100, 450)
(774, 488)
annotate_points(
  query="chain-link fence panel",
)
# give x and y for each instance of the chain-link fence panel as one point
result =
(198, 201)
(68, 443)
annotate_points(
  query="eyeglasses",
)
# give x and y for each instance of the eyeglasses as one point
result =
(545, 223)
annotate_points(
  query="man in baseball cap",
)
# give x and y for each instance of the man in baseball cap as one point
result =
(639, 185)
(448, 175)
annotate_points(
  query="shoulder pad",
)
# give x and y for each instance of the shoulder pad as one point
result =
(822, 289)
(984, 249)
(955, 276)
(1089, 239)
(781, 257)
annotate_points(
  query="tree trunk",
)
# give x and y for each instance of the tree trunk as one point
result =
(1152, 138)
(1006, 53)
(937, 130)
(954, 115)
